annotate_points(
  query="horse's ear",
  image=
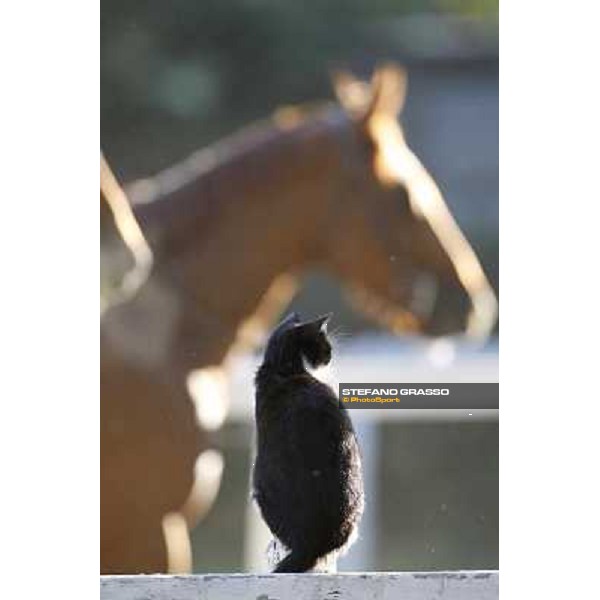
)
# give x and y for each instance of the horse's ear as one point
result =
(385, 93)
(352, 93)
(388, 86)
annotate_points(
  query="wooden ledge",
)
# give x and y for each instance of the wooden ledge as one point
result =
(442, 585)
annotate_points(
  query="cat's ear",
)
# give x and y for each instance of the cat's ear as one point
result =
(291, 321)
(318, 324)
(321, 322)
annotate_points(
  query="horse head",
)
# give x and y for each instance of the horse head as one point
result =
(394, 238)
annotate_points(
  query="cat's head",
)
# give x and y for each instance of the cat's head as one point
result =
(294, 340)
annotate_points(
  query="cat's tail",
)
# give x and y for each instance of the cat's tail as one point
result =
(296, 562)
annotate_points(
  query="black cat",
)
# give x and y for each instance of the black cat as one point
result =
(307, 477)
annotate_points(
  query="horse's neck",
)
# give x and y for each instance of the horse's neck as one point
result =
(223, 235)
(258, 169)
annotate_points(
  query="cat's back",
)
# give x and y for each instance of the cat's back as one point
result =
(301, 414)
(280, 400)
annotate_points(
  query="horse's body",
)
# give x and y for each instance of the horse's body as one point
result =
(231, 228)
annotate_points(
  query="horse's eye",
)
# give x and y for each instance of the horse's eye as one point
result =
(402, 200)
(363, 143)
(367, 146)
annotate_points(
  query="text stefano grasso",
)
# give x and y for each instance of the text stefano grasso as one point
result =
(396, 391)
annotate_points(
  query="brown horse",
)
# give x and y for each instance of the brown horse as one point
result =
(232, 228)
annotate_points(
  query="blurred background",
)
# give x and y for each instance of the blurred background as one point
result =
(177, 76)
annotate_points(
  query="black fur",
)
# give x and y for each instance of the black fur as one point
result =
(307, 477)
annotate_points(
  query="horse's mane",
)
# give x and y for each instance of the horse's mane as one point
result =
(264, 137)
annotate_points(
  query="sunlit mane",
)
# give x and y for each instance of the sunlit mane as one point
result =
(394, 164)
(247, 141)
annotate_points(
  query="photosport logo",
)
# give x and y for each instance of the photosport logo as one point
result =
(419, 395)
